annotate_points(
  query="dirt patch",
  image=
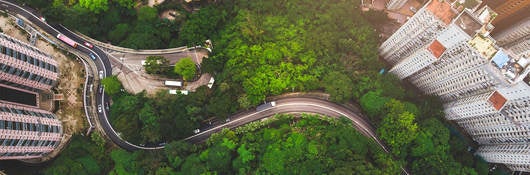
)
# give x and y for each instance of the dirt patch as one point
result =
(169, 14)
(70, 83)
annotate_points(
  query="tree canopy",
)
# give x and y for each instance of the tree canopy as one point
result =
(156, 65)
(186, 67)
(95, 6)
(112, 85)
(281, 145)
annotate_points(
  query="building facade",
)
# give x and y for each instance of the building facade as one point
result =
(417, 31)
(26, 131)
(395, 4)
(507, 8)
(484, 87)
(25, 67)
(516, 38)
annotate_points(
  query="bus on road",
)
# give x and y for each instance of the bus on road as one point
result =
(173, 83)
(67, 40)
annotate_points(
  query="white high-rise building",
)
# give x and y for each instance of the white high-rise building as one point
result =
(484, 86)
(515, 156)
(417, 31)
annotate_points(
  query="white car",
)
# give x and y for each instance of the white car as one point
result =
(196, 131)
(99, 108)
(101, 74)
(89, 45)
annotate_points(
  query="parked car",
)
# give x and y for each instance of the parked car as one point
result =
(196, 131)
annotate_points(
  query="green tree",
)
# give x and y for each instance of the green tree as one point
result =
(373, 104)
(151, 127)
(146, 13)
(112, 85)
(156, 65)
(124, 162)
(82, 156)
(126, 3)
(243, 101)
(119, 32)
(95, 6)
(338, 85)
(398, 128)
(202, 25)
(186, 68)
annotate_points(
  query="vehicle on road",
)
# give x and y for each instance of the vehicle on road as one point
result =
(173, 83)
(100, 89)
(67, 40)
(92, 56)
(99, 108)
(266, 106)
(196, 131)
(89, 45)
(42, 19)
(101, 74)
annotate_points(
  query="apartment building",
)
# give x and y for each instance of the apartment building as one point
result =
(26, 131)
(484, 87)
(25, 67)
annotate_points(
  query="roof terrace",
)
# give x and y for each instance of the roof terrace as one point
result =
(514, 68)
(484, 45)
(468, 23)
(442, 10)
(436, 48)
(497, 100)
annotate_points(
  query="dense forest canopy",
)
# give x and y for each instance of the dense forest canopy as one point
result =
(261, 49)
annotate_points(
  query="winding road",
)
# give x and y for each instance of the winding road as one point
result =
(102, 63)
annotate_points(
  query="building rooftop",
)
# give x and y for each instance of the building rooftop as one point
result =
(442, 10)
(468, 4)
(486, 14)
(497, 100)
(500, 58)
(436, 48)
(468, 23)
(514, 68)
(484, 45)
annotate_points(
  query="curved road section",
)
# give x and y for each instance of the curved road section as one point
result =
(293, 105)
(289, 105)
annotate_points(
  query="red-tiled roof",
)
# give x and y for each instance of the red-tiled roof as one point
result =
(436, 48)
(442, 10)
(497, 100)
